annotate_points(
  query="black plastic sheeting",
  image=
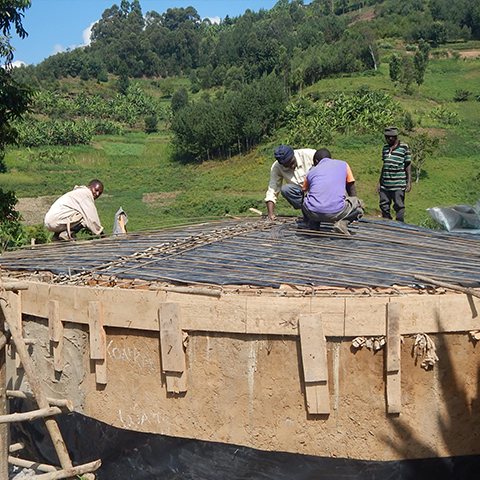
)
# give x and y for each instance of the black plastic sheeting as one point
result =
(128, 455)
(377, 254)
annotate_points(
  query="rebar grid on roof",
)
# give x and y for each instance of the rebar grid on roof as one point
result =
(258, 252)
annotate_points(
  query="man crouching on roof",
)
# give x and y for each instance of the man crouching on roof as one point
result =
(73, 211)
(292, 166)
(325, 201)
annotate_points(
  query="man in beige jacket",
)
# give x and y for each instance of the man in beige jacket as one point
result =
(73, 211)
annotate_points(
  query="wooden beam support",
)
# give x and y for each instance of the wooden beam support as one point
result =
(171, 348)
(314, 361)
(98, 341)
(393, 367)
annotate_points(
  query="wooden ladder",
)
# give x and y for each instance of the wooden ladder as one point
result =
(11, 332)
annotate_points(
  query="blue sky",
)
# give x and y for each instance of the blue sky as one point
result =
(55, 25)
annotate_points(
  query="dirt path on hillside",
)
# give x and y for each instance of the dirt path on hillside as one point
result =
(33, 210)
(470, 54)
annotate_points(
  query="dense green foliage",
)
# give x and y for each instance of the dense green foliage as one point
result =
(309, 123)
(232, 124)
(328, 74)
(14, 101)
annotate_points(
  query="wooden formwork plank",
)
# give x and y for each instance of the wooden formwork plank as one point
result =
(101, 371)
(97, 333)
(55, 328)
(318, 399)
(394, 393)
(393, 366)
(313, 347)
(314, 362)
(393, 337)
(349, 316)
(171, 344)
(171, 347)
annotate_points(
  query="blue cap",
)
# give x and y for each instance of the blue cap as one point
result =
(283, 154)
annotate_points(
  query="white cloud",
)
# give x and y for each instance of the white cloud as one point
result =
(57, 49)
(18, 63)
(216, 19)
(86, 41)
(86, 34)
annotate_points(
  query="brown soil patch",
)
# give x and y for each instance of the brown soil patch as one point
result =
(366, 15)
(161, 199)
(470, 54)
(33, 210)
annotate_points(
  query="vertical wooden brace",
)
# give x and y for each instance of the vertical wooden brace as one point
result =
(393, 367)
(171, 348)
(55, 328)
(314, 361)
(98, 341)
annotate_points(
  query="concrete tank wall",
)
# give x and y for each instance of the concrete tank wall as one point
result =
(248, 390)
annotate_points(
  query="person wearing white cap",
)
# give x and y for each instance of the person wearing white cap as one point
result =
(396, 175)
(290, 166)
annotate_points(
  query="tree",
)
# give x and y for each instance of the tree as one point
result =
(422, 146)
(420, 66)
(15, 98)
(179, 99)
(407, 73)
(395, 66)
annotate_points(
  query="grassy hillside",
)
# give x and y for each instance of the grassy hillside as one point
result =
(141, 175)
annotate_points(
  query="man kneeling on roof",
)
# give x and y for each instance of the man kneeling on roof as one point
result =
(325, 199)
(73, 211)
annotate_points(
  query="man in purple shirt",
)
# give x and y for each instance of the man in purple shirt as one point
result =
(325, 199)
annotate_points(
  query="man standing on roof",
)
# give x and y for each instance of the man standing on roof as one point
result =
(73, 211)
(396, 175)
(326, 201)
(292, 166)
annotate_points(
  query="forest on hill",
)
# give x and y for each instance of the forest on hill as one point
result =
(170, 92)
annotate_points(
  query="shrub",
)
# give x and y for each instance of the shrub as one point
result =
(461, 95)
(151, 124)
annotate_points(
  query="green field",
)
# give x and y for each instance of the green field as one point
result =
(141, 175)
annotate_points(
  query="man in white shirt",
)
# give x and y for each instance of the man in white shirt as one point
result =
(73, 211)
(290, 166)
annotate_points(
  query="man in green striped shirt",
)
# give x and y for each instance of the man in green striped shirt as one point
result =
(396, 176)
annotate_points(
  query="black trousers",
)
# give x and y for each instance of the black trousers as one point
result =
(397, 197)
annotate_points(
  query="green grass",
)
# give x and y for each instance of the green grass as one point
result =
(136, 164)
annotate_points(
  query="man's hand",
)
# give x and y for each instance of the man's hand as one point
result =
(408, 187)
(377, 188)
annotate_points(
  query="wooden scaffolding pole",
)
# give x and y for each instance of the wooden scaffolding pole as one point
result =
(13, 316)
(4, 440)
